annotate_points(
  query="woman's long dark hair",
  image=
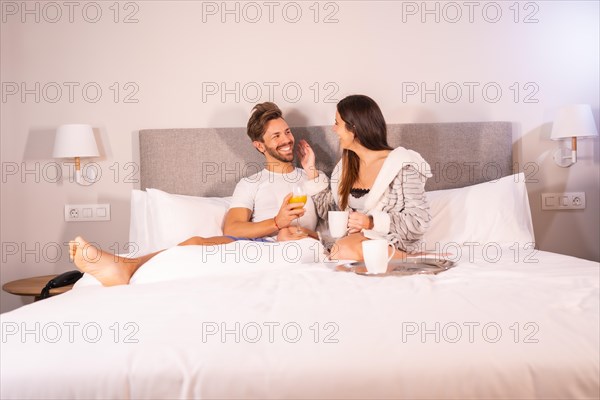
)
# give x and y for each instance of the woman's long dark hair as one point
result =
(362, 117)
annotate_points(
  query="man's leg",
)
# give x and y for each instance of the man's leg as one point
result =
(111, 269)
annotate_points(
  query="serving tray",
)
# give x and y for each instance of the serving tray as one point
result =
(409, 266)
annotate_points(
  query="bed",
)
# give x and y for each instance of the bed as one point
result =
(279, 320)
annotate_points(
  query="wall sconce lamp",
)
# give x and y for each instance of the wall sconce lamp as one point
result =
(575, 121)
(76, 141)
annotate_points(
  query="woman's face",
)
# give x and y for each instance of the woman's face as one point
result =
(346, 137)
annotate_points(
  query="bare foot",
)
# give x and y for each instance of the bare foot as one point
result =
(108, 268)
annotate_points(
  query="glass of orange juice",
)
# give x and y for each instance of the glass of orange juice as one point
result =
(298, 196)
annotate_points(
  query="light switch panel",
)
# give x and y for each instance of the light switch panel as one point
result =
(87, 212)
(563, 201)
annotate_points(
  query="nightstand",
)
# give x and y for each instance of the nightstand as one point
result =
(33, 286)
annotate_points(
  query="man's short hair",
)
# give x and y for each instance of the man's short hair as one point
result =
(261, 114)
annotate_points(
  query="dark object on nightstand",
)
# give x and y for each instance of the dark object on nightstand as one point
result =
(64, 279)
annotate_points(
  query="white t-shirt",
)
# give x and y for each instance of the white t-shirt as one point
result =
(263, 193)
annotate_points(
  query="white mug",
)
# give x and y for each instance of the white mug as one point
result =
(375, 254)
(338, 223)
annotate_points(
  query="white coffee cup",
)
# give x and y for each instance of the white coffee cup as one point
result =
(375, 253)
(338, 223)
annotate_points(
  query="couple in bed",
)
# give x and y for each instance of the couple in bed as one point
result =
(382, 187)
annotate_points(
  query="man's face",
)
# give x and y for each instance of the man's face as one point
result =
(278, 141)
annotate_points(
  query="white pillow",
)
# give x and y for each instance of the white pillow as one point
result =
(139, 234)
(491, 212)
(174, 218)
(160, 220)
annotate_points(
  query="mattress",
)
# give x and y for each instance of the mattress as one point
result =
(275, 320)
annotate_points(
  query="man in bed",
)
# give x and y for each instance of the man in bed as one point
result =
(260, 205)
(260, 208)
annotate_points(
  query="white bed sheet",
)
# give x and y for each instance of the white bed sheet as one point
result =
(528, 324)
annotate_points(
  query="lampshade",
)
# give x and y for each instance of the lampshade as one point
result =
(75, 140)
(574, 121)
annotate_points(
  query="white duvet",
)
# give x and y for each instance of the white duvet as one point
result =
(279, 323)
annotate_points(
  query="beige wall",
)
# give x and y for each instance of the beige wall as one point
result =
(170, 57)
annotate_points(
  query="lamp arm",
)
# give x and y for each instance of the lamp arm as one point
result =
(565, 158)
(79, 178)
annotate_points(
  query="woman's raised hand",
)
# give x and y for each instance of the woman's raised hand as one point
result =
(307, 159)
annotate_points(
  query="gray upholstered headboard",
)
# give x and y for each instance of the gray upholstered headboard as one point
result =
(210, 161)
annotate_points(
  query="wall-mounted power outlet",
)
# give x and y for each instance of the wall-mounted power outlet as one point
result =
(563, 201)
(87, 212)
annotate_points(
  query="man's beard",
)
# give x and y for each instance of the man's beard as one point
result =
(273, 153)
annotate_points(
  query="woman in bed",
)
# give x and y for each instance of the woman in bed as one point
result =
(383, 188)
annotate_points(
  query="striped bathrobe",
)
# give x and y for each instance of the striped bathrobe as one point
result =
(396, 201)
